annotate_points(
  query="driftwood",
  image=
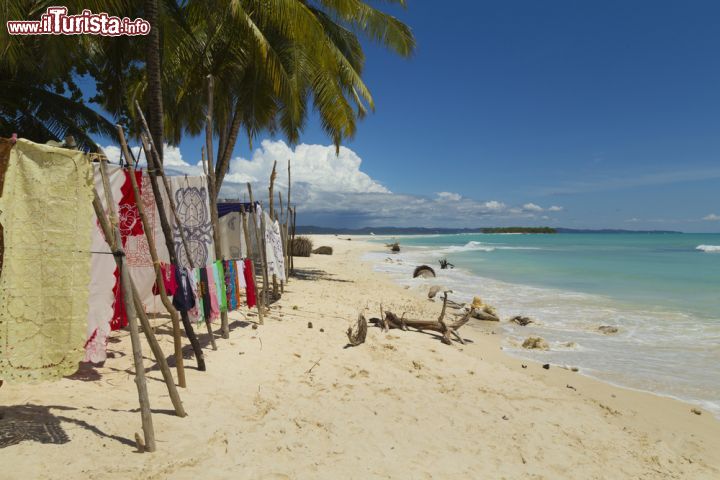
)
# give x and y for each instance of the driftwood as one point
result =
(388, 320)
(444, 264)
(423, 271)
(357, 335)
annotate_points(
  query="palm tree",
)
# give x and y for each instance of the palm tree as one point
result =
(269, 59)
(41, 100)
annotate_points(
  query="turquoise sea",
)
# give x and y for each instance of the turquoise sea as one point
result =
(661, 290)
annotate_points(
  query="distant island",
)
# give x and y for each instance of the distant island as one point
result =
(309, 229)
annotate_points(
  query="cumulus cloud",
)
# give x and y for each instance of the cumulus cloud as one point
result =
(712, 218)
(332, 189)
(448, 197)
(555, 208)
(531, 207)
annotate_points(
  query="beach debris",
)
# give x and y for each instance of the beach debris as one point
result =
(423, 271)
(455, 305)
(535, 343)
(310, 325)
(444, 264)
(323, 251)
(482, 311)
(570, 387)
(522, 321)
(607, 329)
(546, 366)
(394, 247)
(505, 417)
(301, 246)
(434, 290)
(696, 411)
(389, 320)
(254, 326)
(523, 365)
(358, 333)
(322, 330)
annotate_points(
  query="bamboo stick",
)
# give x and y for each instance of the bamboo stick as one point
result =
(126, 289)
(167, 233)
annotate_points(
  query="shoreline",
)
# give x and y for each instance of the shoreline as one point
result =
(467, 283)
(288, 401)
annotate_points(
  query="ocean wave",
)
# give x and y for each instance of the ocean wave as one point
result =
(708, 248)
(474, 246)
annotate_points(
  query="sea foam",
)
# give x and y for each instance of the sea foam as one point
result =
(708, 248)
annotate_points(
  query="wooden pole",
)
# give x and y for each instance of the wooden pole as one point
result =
(260, 237)
(126, 290)
(213, 193)
(250, 256)
(288, 220)
(145, 322)
(167, 233)
(174, 316)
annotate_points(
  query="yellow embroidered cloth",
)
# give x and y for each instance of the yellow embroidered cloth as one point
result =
(46, 211)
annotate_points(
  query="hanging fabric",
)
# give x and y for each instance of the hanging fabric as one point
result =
(220, 283)
(274, 249)
(196, 313)
(231, 236)
(212, 292)
(230, 285)
(183, 298)
(167, 272)
(250, 283)
(193, 208)
(46, 212)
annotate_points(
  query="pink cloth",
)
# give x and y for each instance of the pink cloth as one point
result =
(212, 288)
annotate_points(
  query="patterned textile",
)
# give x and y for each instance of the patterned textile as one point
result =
(46, 209)
(212, 292)
(231, 236)
(130, 226)
(220, 282)
(104, 275)
(230, 285)
(196, 313)
(193, 209)
(183, 298)
(167, 272)
(274, 249)
(237, 283)
(5, 146)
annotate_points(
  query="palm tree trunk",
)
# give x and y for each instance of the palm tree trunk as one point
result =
(154, 77)
(223, 162)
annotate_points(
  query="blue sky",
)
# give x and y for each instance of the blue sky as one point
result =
(607, 110)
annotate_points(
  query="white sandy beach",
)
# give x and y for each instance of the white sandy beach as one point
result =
(288, 401)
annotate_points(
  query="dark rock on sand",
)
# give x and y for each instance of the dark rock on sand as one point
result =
(607, 329)
(323, 251)
(522, 321)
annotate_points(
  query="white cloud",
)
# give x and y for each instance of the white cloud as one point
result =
(172, 156)
(448, 197)
(315, 165)
(712, 218)
(332, 188)
(531, 207)
(556, 208)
